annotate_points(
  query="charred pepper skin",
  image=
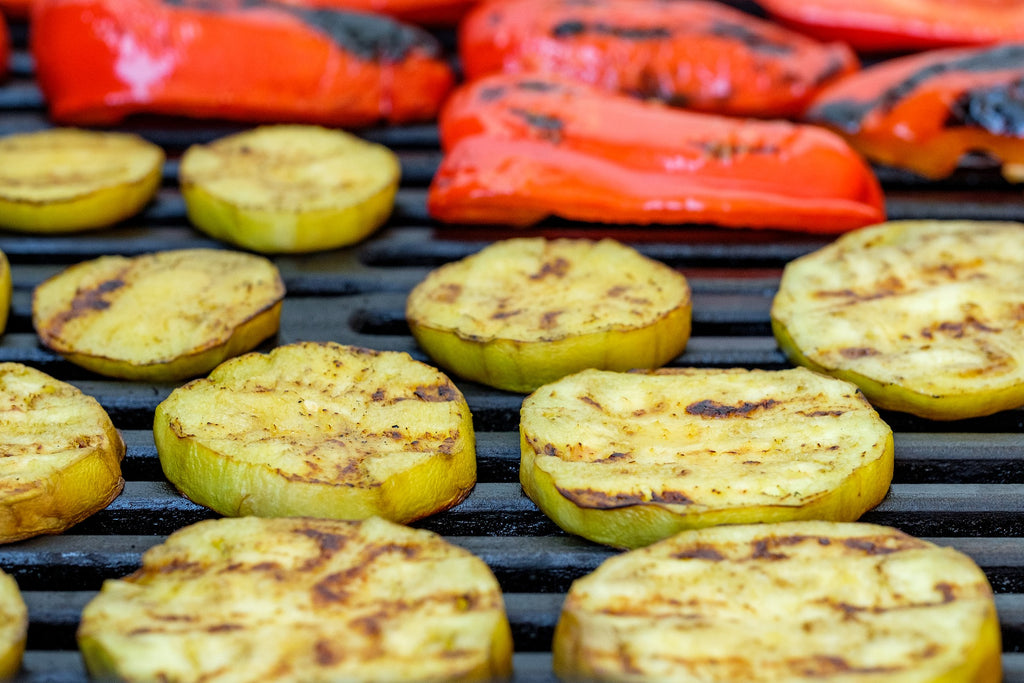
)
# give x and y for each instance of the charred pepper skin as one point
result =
(435, 13)
(521, 148)
(924, 112)
(875, 26)
(694, 54)
(99, 61)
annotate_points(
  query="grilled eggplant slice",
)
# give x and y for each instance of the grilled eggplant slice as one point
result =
(798, 601)
(163, 316)
(319, 429)
(62, 455)
(67, 180)
(524, 312)
(13, 626)
(300, 599)
(925, 316)
(289, 188)
(627, 459)
(6, 290)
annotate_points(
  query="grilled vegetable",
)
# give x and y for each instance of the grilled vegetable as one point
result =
(903, 25)
(521, 148)
(524, 312)
(163, 316)
(925, 316)
(62, 455)
(99, 61)
(321, 430)
(689, 53)
(16, 8)
(289, 188)
(64, 180)
(630, 458)
(5, 48)
(6, 290)
(798, 601)
(13, 627)
(438, 13)
(924, 112)
(300, 600)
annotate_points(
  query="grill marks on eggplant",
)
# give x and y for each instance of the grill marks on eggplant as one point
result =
(630, 458)
(765, 602)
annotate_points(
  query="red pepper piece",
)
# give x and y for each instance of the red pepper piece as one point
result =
(5, 48)
(903, 25)
(689, 53)
(520, 148)
(423, 12)
(16, 8)
(101, 60)
(924, 112)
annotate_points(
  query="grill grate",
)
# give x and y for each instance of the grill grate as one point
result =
(959, 483)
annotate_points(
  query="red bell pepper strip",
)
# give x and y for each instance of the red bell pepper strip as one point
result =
(99, 61)
(15, 8)
(693, 54)
(520, 148)
(423, 12)
(5, 48)
(924, 112)
(903, 25)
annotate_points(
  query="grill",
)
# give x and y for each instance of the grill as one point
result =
(959, 484)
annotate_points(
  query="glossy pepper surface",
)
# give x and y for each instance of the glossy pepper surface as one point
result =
(424, 12)
(693, 54)
(903, 25)
(248, 60)
(924, 112)
(520, 148)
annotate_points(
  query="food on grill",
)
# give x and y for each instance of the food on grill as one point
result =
(521, 148)
(99, 61)
(901, 25)
(925, 112)
(319, 429)
(289, 188)
(627, 459)
(160, 317)
(524, 312)
(300, 600)
(925, 316)
(438, 13)
(13, 626)
(6, 290)
(66, 180)
(797, 601)
(689, 53)
(5, 48)
(16, 8)
(62, 455)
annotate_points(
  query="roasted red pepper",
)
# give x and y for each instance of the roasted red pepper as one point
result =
(689, 53)
(423, 12)
(249, 60)
(5, 48)
(15, 8)
(903, 25)
(924, 112)
(520, 148)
